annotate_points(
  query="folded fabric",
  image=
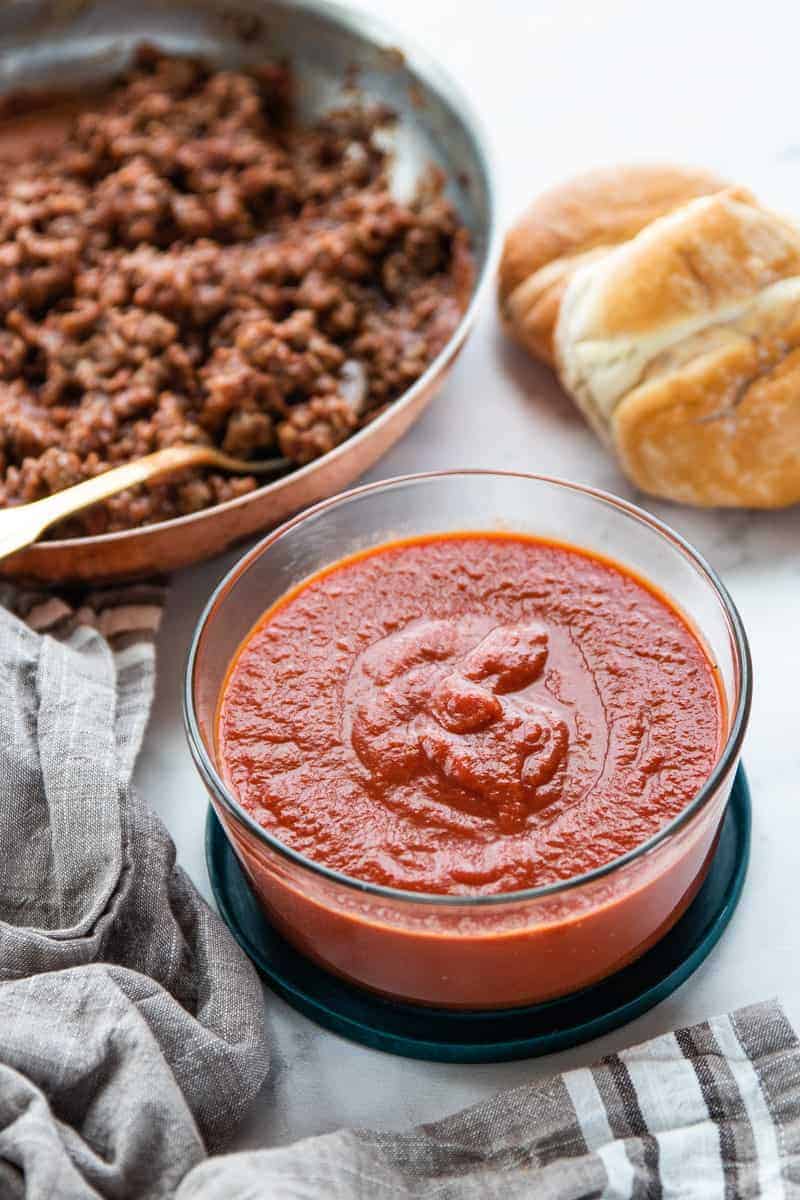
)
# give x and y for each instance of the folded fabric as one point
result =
(131, 1027)
(705, 1113)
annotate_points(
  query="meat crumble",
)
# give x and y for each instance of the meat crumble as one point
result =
(191, 265)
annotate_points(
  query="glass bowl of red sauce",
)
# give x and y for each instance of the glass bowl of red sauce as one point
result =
(471, 735)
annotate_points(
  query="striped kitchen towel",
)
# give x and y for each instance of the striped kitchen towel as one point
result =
(132, 1028)
(708, 1112)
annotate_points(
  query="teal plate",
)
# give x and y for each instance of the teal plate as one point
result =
(450, 1036)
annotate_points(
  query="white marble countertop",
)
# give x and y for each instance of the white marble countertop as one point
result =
(564, 85)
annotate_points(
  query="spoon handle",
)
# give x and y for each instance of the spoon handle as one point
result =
(22, 524)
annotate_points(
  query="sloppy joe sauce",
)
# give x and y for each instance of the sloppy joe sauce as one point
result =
(469, 714)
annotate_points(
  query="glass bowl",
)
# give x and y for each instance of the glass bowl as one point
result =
(477, 952)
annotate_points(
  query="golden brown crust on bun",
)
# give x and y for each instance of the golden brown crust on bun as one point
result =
(573, 224)
(682, 347)
(726, 432)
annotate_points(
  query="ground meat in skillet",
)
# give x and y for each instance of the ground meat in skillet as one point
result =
(191, 265)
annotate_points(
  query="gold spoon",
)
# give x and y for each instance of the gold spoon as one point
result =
(23, 524)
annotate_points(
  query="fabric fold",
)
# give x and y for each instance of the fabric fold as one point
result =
(708, 1113)
(131, 1025)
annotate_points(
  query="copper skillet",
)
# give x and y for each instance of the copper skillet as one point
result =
(58, 47)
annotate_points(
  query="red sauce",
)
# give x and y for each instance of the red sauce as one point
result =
(469, 714)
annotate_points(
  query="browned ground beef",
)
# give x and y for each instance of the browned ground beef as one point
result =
(192, 266)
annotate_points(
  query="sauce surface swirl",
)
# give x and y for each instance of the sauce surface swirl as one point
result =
(469, 714)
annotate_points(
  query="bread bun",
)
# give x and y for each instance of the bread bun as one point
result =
(572, 225)
(682, 348)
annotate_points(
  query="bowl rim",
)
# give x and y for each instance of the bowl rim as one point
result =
(420, 63)
(724, 766)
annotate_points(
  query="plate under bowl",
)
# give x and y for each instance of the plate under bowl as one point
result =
(449, 1036)
(53, 47)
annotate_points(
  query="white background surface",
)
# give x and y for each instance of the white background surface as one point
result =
(563, 85)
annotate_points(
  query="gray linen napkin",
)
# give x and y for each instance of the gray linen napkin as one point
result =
(131, 1027)
(705, 1113)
